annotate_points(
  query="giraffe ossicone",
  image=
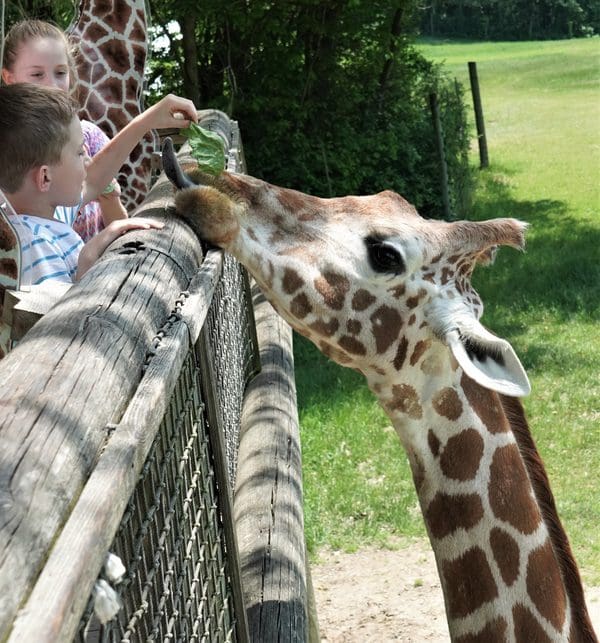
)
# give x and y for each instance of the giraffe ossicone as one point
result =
(380, 289)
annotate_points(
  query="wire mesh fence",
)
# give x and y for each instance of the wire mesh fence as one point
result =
(175, 538)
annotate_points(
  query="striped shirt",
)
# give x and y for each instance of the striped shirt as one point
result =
(49, 248)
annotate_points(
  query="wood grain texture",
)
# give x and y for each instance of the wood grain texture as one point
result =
(70, 378)
(268, 506)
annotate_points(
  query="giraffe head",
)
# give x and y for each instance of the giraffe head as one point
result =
(368, 280)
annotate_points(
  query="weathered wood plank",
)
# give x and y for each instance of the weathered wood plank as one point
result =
(268, 498)
(66, 581)
(71, 376)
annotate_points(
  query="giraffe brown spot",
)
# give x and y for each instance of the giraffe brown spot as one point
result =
(362, 300)
(420, 347)
(486, 404)
(398, 291)
(300, 306)
(436, 258)
(506, 554)
(353, 326)
(296, 202)
(447, 403)
(400, 353)
(417, 469)
(454, 259)
(434, 443)
(385, 325)
(462, 455)
(323, 328)
(493, 632)
(448, 513)
(352, 345)
(333, 287)
(412, 319)
(527, 627)
(509, 490)
(333, 353)
(291, 281)
(545, 586)
(469, 583)
(447, 274)
(406, 400)
(429, 276)
(8, 267)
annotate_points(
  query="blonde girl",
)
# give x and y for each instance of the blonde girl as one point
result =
(38, 52)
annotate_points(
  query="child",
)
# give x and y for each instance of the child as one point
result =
(38, 52)
(46, 175)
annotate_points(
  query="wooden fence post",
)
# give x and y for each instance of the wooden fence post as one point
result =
(439, 140)
(481, 139)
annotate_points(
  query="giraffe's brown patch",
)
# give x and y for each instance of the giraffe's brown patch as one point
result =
(353, 326)
(429, 276)
(462, 455)
(486, 404)
(352, 345)
(300, 306)
(406, 400)
(291, 281)
(447, 403)
(545, 586)
(323, 328)
(294, 201)
(493, 632)
(8, 267)
(398, 291)
(413, 302)
(527, 627)
(385, 325)
(333, 287)
(436, 258)
(506, 554)
(434, 443)
(362, 299)
(509, 490)
(417, 469)
(412, 319)
(447, 513)
(454, 259)
(250, 232)
(447, 274)
(469, 583)
(333, 353)
(400, 353)
(420, 347)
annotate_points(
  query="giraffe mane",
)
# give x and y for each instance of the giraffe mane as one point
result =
(581, 627)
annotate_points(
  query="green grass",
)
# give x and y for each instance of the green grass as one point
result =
(541, 104)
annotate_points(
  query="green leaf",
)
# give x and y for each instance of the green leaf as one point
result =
(207, 148)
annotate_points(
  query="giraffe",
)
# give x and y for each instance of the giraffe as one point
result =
(379, 289)
(112, 48)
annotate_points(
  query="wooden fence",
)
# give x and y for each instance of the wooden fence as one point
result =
(134, 420)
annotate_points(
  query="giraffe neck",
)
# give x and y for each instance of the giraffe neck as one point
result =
(502, 559)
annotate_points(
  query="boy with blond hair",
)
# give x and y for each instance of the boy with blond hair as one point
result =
(46, 175)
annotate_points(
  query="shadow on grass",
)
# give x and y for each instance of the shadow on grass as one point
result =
(560, 269)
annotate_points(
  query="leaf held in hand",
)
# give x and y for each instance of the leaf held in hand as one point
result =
(207, 148)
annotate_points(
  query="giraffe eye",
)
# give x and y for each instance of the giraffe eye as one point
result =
(383, 256)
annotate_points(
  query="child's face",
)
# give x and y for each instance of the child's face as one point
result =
(69, 174)
(41, 61)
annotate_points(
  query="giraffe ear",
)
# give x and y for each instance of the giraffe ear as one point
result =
(488, 360)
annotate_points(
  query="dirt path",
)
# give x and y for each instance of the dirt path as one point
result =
(376, 595)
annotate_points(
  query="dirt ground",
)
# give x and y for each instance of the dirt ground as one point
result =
(376, 596)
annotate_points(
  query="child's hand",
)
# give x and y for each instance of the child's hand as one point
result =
(94, 248)
(171, 111)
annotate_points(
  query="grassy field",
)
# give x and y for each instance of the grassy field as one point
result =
(541, 104)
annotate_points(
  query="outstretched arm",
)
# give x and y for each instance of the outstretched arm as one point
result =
(94, 248)
(105, 165)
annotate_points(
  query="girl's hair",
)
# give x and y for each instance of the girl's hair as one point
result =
(26, 30)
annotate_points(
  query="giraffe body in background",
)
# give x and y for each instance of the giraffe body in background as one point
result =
(112, 50)
(388, 293)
